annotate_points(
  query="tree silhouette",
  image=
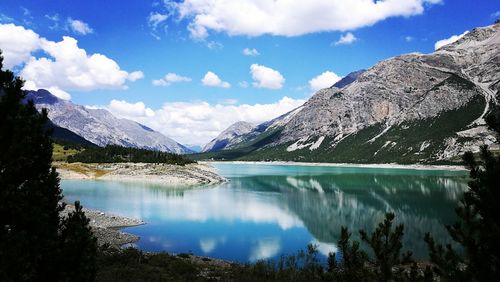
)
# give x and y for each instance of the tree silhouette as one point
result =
(32, 234)
(478, 228)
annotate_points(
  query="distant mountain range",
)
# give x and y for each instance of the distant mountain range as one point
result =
(100, 127)
(407, 109)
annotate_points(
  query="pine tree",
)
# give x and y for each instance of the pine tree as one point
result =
(30, 224)
(78, 247)
(352, 267)
(386, 244)
(478, 228)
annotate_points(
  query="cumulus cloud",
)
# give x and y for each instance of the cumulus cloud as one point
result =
(79, 26)
(199, 122)
(250, 52)
(136, 75)
(213, 80)
(71, 68)
(170, 78)
(55, 90)
(124, 109)
(63, 66)
(265, 77)
(346, 39)
(289, 18)
(449, 40)
(17, 44)
(324, 80)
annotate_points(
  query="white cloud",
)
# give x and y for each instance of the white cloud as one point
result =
(346, 39)
(265, 248)
(229, 102)
(170, 78)
(243, 84)
(69, 67)
(496, 14)
(208, 245)
(265, 77)
(79, 26)
(409, 38)
(214, 45)
(5, 19)
(136, 75)
(63, 66)
(250, 52)
(56, 91)
(211, 79)
(125, 109)
(54, 19)
(449, 40)
(17, 44)
(289, 18)
(199, 122)
(324, 80)
(324, 248)
(156, 18)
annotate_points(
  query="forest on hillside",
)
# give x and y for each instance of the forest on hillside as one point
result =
(119, 154)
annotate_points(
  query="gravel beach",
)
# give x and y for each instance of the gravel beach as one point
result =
(105, 227)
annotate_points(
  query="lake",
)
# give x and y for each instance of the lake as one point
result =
(268, 210)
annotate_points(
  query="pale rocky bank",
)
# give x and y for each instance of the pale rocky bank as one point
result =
(105, 227)
(190, 174)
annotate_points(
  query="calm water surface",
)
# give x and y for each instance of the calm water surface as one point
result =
(268, 210)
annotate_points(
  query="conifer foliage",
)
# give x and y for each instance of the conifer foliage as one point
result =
(36, 244)
(478, 228)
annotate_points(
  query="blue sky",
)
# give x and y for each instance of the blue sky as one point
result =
(143, 41)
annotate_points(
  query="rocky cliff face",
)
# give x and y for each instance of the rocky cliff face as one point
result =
(101, 127)
(232, 135)
(411, 108)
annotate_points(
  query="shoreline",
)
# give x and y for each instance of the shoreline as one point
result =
(351, 165)
(163, 174)
(106, 226)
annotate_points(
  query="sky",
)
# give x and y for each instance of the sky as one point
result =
(191, 68)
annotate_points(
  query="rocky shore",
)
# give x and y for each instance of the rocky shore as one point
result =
(105, 227)
(191, 174)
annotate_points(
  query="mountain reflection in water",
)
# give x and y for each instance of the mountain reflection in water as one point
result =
(267, 210)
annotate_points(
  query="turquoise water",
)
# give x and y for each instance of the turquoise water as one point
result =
(268, 210)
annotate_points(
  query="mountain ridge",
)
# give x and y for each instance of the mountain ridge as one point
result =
(388, 111)
(100, 126)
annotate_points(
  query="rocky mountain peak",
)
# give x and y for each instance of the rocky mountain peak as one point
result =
(413, 107)
(101, 127)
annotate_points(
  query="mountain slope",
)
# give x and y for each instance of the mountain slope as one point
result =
(100, 127)
(229, 136)
(407, 109)
(348, 79)
(66, 135)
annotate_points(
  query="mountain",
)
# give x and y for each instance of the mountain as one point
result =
(348, 79)
(194, 148)
(243, 132)
(407, 109)
(229, 136)
(63, 135)
(101, 127)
